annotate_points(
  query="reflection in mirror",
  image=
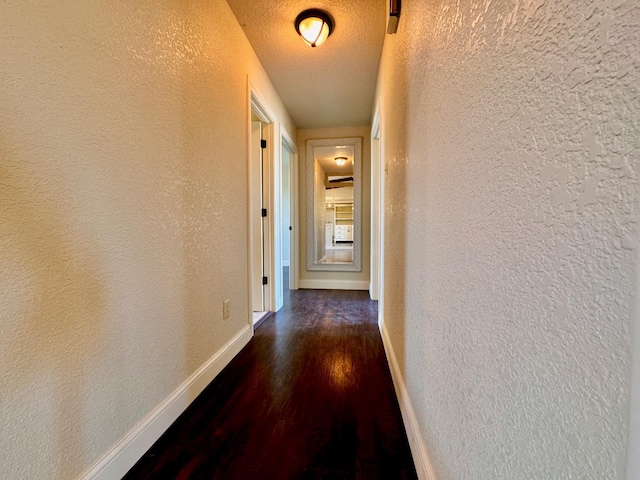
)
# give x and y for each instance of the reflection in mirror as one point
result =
(333, 204)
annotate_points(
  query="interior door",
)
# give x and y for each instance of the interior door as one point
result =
(285, 205)
(257, 221)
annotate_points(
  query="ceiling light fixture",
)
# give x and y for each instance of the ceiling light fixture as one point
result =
(314, 26)
(341, 161)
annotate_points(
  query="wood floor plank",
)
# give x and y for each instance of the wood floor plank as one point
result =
(310, 397)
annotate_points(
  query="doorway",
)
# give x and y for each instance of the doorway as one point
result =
(260, 225)
(288, 216)
(376, 287)
(269, 146)
(257, 219)
(285, 215)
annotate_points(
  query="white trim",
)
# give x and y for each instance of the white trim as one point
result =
(416, 442)
(294, 254)
(125, 453)
(255, 240)
(374, 276)
(257, 318)
(335, 284)
(290, 145)
(382, 212)
(312, 241)
(250, 252)
(259, 105)
(285, 263)
(273, 244)
(270, 235)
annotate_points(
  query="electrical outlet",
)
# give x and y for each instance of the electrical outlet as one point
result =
(225, 309)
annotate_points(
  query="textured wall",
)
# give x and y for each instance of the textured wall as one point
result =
(341, 132)
(512, 137)
(122, 215)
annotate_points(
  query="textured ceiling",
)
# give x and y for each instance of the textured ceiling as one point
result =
(326, 158)
(332, 85)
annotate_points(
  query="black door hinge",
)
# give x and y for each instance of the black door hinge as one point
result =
(264, 212)
(290, 228)
(263, 143)
(265, 280)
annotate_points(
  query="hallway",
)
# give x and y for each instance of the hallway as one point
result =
(309, 397)
(499, 227)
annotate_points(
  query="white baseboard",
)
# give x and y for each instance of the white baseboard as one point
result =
(123, 455)
(416, 442)
(334, 284)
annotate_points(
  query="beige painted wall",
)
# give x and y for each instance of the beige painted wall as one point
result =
(123, 215)
(342, 132)
(511, 132)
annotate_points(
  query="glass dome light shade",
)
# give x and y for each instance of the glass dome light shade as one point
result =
(314, 26)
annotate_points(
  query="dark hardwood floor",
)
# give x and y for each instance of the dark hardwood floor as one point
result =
(310, 397)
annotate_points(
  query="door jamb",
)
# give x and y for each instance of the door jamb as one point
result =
(378, 171)
(259, 106)
(293, 191)
(374, 281)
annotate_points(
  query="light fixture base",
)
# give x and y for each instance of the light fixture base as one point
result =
(322, 29)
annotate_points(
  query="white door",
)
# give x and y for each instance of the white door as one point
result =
(285, 205)
(257, 228)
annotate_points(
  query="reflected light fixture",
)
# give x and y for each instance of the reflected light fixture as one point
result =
(314, 26)
(340, 160)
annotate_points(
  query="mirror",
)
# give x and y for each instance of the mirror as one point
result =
(334, 167)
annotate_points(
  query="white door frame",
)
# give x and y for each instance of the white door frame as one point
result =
(377, 211)
(374, 281)
(256, 236)
(290, 145)
(259, 107)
